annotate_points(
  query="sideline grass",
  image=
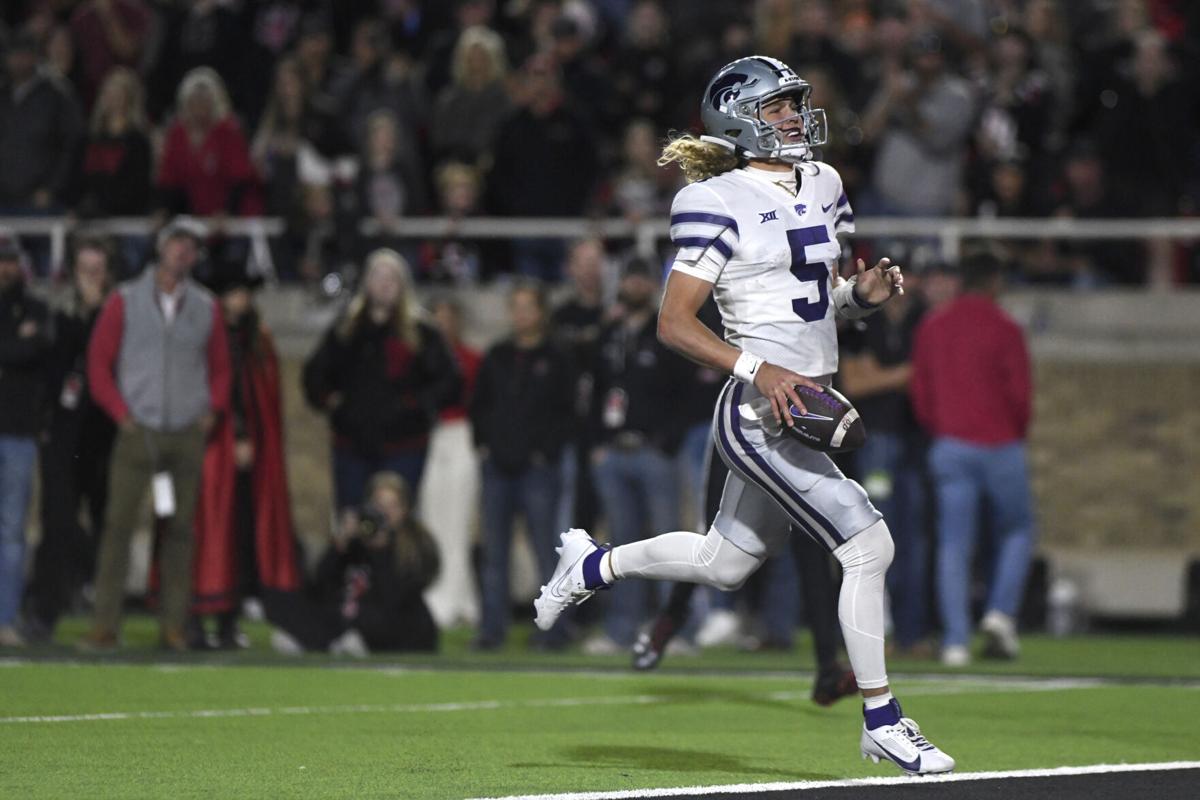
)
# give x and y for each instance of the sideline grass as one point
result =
(656, 730)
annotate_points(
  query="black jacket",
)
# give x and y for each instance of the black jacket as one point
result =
(391, 395)
(39, 134)
(638, 388)
(23, 361)
(522, 408)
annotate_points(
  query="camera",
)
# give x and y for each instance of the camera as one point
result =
(370, 522)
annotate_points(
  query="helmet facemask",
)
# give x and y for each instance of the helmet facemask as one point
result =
(773, 137)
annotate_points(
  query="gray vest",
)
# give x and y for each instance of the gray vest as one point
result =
(162, 369)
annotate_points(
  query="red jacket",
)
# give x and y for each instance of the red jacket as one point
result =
(213, 172)
(971, 375)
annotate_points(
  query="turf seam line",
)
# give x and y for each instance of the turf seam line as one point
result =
(900, 780)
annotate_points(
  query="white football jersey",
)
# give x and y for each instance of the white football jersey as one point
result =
(769, 255)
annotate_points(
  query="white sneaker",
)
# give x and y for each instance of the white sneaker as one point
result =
(1001, 632)
(11, 637)
(720, 627)
(566, 586)
(601, 645)
(285, 644)
(349, 644)
(956, 655)
(903, 745)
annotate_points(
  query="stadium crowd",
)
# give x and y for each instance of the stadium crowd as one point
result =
(327, 114)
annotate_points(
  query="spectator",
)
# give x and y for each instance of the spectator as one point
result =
(521, 417)
(644, 73)
(378, 79)
(60, 57)
(24, 351)
(366, 595)
(1085, 191)
(1153, 99)
(323, 74)
(108, 34)
(114, 179)
(874, 372)
(921, 120)
(390, 185)
(1015, 121)
(75, 451)
(455, 259)
(440, 55)
(971, 391)
(245, 544)
(382, 374)
(40, 129)
(282, 132)
(545, 165)
(577, 324)
(468, 112)
(206, 167)
(637, 433)
(642, 188)
(158, 364)
(194, 35)
(449, 497)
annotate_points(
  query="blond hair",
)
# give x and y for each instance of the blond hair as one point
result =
(698, 159)
(493, 46)
(120, 77)
(405, 316)
(199, 79)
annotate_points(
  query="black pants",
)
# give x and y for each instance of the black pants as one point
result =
(74, 467)
(315, 622)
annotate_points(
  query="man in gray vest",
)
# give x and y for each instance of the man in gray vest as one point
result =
(158, 364)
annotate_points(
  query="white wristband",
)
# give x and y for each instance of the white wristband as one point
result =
(746, 367)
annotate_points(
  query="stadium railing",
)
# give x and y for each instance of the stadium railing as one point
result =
(949, 232)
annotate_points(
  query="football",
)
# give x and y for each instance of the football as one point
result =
(831, 424)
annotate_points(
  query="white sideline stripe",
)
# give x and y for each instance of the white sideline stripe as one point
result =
(900, 780)
(960, 687)
(399, 708)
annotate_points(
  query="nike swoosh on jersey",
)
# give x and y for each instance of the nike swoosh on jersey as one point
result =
(826, 208)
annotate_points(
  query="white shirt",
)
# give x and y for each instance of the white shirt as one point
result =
(169, 303)
(769, 252)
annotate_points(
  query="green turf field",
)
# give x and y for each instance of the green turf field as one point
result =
(460, 725)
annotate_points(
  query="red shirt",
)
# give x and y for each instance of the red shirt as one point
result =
(105, 346)
(468, 363)
(210, 172)
(971, 376)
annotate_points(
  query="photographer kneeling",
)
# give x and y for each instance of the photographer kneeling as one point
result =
(366, 594)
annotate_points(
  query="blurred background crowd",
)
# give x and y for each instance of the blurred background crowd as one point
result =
(328, 114)
(343, 118)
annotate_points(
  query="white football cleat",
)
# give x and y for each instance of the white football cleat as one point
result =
(903, 745)
(566, 586)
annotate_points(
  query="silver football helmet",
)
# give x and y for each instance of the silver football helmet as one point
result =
(732, 111)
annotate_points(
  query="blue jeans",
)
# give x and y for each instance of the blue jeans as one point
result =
(539, 258)
(534, 494)
(352, 472)
(18, 456)
(639, 495)
(964, 474)
(893, 473)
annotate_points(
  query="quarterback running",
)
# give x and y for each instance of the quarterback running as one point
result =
(757, 227)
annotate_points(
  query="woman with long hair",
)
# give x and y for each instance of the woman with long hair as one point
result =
(382, 373)
(206, 168)
(114, 173)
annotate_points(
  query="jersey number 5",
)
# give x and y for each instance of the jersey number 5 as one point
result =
(798, 239)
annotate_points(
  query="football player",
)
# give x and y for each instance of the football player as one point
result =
(757, 227)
